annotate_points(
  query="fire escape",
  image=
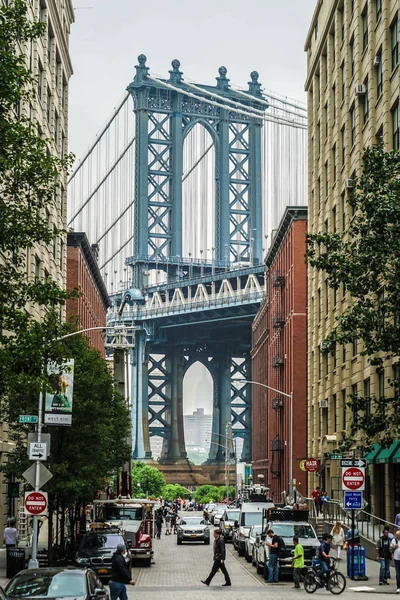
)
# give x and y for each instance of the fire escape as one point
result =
(278, 324)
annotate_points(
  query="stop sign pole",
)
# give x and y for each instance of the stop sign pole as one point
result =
(33, 562)
(345, 486)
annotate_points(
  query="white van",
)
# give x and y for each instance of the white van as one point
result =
(250, 514)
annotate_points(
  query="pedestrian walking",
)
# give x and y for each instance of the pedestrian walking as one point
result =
(397, 520)
(219, 560)
(383, 556)
(298, 561)
(120, 575)
(168, 523)
(338, 538)
(10, 535)
(395, 548)
(159, 522)
(173, 521)
(273, 567)
(316, 495)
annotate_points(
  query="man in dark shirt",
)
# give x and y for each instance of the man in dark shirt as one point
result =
(323, 556)
(219, 560)
(119, 575)
(273, 567)
(383, 555)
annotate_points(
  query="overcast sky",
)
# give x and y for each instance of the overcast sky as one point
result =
(243, 35)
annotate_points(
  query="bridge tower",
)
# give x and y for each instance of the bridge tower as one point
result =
(165, 112)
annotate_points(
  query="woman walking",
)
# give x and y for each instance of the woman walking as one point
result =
(338, 538)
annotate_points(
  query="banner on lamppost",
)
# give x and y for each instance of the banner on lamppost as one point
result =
(58, 404)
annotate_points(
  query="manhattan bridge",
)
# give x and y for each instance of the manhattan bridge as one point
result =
(180, 191)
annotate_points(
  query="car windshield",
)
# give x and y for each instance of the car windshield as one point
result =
(232, 515)
(250, 518)
(256, 529)
(99, 541)
(47, 585)
(288, 530)
(192, 521)
(112, 513)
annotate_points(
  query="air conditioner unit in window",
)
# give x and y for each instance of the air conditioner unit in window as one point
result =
(323, 404)
(361, 89)
(323, 347)
(349, 184)
(377, 60)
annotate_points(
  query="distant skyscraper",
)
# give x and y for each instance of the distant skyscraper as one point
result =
(198, 428)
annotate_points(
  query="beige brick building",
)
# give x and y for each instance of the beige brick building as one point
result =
(49, 61)
(353, 87)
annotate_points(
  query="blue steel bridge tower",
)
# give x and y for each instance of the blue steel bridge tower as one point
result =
(204, 311)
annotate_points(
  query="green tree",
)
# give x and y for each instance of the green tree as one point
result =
(364, 261)
(206, 493)
(151, 480)
(171, 491)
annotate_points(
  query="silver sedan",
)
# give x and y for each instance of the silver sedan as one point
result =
(193, 529)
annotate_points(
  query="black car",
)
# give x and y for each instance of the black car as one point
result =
(96, 550)
(56, 583)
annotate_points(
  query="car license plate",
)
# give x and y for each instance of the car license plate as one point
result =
(102, 571)
(193, 535)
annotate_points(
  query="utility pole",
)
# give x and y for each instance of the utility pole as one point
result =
(227, 452)
(33, 562)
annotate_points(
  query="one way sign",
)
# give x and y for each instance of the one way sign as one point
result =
(37, 451)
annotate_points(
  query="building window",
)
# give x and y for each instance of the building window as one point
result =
(326, 180)
(319, 305)
(354, 394)
(394, 36)
(379, 134)
(344, 353)
(318, 137)
(333, 49)
(54, 241)
(316, 30)
(48, 105)
(37, 269)
(40, 81)
(319, 192)
(342, 81)
(364, 23)
(61, 253)
(396, 126)
(335, 303)
(334, 217)
(334, 102)
(326, 296)
(334, 354)
(341, 21)
(343, 145)
(49, 47)
(355, 347)
(334, 412)
(352, 56)
(334, 162)
(378, 9)
(381, 383)
(353, 125)
(366, 101)
(343, 202)
(326, 120)
(367, 396)
(56, 122)
(352, 6)
(344, 411)
(379, 75)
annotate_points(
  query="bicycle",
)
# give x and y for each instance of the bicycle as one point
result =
(333, 581)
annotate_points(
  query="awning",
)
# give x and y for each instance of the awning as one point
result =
(396, 456)
(373, 453)
(386, 454)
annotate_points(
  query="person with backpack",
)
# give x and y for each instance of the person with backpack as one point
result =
(275, 545)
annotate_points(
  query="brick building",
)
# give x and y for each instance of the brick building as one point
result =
(83, 272)
(279, 359)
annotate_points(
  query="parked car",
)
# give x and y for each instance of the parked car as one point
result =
(286, 523)
(97, 548)
(217, 514)
(250, 514)
(192, 529)
(227, 522)
(56, 583)
(249, 543)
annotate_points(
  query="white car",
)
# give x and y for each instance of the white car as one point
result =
(249, 543)
(217, 515)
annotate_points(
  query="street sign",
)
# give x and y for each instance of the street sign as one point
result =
(336, 456)
(44, 475)
(27, 419)
(35, 502)
(312, 465)
(356, 462)
(44, 437)
(37, 451)
(353, 478)
(303, 465)
(353, 500)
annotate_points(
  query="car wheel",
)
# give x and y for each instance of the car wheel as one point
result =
(253, 560)
(207, 542)
(247, 556)
(260, 568)
(241, 551)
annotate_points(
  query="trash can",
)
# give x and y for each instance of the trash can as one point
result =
(15, 561)
(358, 562)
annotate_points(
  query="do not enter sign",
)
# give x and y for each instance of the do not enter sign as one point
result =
(353, 478)
(36, 502)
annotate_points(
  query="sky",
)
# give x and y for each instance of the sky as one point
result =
(244, 35)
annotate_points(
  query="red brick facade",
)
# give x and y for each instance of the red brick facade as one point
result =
(89, 310)
(279, 359)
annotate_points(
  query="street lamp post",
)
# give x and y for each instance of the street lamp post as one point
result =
(33, 562)
(235, 451)
(290, 396)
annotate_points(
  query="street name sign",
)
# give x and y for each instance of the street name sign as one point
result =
(27, 419)
(336, 456)
(312, 465)
(353, 479)
(35, 502)
(353, 500)
(37, 451)
(356, 462)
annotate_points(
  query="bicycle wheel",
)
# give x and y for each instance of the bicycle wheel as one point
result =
(310, 583)
(336, 583)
